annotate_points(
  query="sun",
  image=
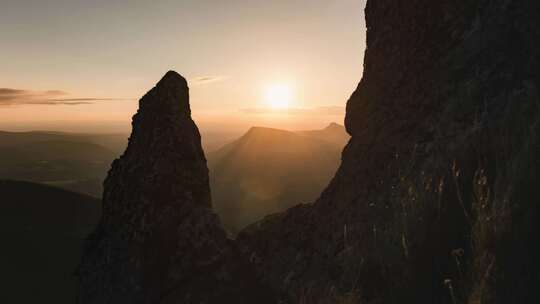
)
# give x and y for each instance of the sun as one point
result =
(278, 96)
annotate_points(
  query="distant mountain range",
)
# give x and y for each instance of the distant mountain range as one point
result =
(42, 229)
(269, 170)
(71, 161)
(264, 171)
(113, 142)
(77, 162)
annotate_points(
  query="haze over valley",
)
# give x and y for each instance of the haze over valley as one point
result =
(263, 171)
(270, 152)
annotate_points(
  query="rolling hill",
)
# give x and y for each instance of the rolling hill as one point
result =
(42, 229)
(112, 142)
(73, 165)
(269, 170)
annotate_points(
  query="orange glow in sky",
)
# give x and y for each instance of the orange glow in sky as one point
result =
(83, 65)
(279, 96)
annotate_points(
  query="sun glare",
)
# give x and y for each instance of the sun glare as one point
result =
(278, 96)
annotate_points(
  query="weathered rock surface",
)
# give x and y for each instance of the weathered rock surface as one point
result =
(158, 240)
(436, 200)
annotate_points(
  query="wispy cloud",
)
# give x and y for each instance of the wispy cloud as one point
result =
(316, 111)
(10, 92)
(14, 97)
(55, 93)
(202, 80)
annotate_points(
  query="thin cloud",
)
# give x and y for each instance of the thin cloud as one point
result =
(56, 103)
(8, 91)
(14, 97)
(316, 111)
(55, 93)
(202, 80)
(84, 99)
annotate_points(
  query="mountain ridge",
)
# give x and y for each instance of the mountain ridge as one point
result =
(268, 170)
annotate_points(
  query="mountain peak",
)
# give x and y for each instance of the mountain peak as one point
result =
(256, 129)
(170, 96)
(172, 77)
(164, 110)
(265, 133)
(334, 126)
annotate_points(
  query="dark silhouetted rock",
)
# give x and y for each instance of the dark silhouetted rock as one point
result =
(158, 240)
(436, 200)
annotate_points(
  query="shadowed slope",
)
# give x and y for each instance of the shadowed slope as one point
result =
(42, 231)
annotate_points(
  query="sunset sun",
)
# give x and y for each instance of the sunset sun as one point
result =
(278, 96)
(272, 152)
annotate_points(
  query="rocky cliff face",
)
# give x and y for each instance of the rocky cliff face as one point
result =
(158, 240)
(436, 199)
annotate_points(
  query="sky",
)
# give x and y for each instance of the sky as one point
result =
(81, 66)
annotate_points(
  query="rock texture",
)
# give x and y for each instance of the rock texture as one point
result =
(158, 240)
(436, 199)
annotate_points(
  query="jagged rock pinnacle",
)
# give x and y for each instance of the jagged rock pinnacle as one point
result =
(158, 240)
(172, 91)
